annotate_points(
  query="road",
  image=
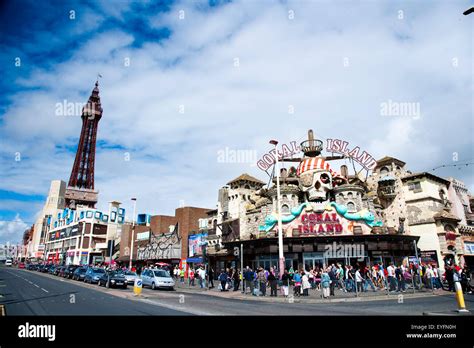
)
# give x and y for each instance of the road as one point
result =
(31, 293)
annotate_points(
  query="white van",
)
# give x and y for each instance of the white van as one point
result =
(8, 262)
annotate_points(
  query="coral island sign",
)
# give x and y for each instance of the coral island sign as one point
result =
(339, 146)
(365, 159)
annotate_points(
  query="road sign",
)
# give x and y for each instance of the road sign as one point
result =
(137, 287)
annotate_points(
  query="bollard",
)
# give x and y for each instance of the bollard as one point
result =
(460, 298)
(137, 287)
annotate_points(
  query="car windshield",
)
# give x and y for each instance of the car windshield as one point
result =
(163, 274)
(116, 274)
(82, 270)
(98, 270)
(130, 273)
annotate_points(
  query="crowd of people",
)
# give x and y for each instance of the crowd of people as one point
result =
(325, 280)
(345, 278)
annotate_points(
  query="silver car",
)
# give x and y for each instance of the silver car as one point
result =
(157, 278)
(131, 277)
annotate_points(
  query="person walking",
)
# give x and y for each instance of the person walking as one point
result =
(306, 285)
(262, 281)
(325, 283)
(223, 279)
(181, 275)
(248, 280)
(297, 281)
(358, 278)
(273, 282)
(191, 276)
(236, 279)
(285, 280)
(202, 277)
(332, 276)
(211, 278)
(391, 277)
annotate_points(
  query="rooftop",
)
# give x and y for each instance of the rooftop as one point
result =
(246, 177)
(426, 175)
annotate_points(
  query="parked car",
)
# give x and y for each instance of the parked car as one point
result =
(131, 277)
(32, 267)
(69, 271)
(56, 270)
(21, 265)
(60, 271)
(157, 278)
(8, 262)
(113, 279)
(52, 269)
(93, 274)
(79, 273)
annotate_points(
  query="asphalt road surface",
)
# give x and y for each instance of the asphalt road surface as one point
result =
(31, 293)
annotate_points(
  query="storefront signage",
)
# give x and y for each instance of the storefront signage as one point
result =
(365, 159)
(339, 146)
(429, 257)
(287, 151)
(469, 248)
(320, 223)
(143, 235)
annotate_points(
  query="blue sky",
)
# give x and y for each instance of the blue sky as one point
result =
(205, 76)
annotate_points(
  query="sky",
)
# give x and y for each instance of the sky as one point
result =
(188, 84)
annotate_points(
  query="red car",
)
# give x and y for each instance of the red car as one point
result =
(21, 265)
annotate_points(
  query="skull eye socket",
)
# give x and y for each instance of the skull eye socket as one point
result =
(306, 180)
(325, 179)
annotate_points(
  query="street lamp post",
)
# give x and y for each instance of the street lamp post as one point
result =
(280, 227)
(133, 232)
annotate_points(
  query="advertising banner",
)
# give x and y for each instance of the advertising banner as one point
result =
(195, 244)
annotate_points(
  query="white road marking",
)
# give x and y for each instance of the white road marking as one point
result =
(36, 285)
(44, 290)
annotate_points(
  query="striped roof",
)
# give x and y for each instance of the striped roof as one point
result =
(316, 163)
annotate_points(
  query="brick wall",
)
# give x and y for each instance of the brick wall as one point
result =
(188, 222)
(187, 217)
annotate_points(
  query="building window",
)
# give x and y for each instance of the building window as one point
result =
(351, 207)
(384, 170)
(285, 209)
(449, 228)
(415, 186)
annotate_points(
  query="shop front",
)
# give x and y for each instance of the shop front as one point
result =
(310, 252)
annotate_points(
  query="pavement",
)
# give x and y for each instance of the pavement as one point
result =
(25, 292)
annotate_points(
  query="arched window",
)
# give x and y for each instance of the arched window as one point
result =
(384, 170)
(351, 207)
(247, 187)
(285, 209)
(449, 228)
(350, 195)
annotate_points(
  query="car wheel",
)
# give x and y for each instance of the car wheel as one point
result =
(153, 287)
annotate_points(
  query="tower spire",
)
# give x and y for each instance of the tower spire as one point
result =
(81, 182)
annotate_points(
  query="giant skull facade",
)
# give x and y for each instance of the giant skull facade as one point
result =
(316, 180)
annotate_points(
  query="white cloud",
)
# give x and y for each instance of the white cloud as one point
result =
(12, 231)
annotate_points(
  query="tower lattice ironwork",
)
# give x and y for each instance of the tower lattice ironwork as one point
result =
(80, 188)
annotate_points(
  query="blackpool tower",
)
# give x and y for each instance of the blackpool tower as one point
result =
(80, 190)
